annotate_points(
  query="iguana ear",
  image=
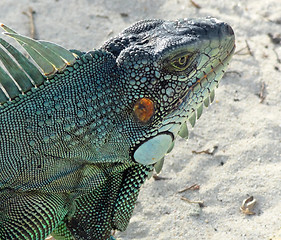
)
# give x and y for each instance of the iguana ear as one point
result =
(23, 75)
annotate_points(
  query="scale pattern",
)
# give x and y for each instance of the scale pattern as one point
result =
(80, 133)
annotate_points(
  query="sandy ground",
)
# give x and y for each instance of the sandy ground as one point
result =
(246, 130)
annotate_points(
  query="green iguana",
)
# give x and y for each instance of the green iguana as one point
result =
(81, 131)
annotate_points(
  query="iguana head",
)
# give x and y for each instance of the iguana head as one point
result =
(170, 69)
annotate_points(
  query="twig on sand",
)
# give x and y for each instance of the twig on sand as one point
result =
(200, 203)
(262, 94)
(233, 72)
(192, 187)
(278, 58)
(30, 14)
(239, 52)
(206, 151)
(157, 178)
(195, 4)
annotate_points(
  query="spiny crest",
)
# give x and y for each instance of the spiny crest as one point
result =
(21, 75)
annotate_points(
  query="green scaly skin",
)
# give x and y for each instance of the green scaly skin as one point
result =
(74, 149)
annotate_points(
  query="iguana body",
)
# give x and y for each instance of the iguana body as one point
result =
(77, 142)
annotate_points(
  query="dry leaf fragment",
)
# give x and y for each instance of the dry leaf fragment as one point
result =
(248, 205)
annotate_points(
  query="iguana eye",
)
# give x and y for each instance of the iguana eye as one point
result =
(181, 63)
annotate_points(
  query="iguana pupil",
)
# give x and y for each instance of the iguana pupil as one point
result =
(183, 60)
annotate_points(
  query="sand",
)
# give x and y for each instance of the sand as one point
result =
(245, 127)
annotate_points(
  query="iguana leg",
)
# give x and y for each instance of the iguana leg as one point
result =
(108, 207)
(93, 212)
(133, 178)
(30, 215)
(61, 232)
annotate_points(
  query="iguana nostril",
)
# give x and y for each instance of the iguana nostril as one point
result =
(227, 29)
